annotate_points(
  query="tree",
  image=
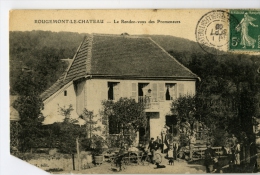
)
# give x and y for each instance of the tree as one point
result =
(93, 139)
(185, 107)
(29, 106)
(70, 130)
(127, 113)
(227, 95)
(70, 134)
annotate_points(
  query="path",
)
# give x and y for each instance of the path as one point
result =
(179, 167)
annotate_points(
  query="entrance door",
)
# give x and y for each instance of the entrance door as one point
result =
(144, 132)
(171, 121)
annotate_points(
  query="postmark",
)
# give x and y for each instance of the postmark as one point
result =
(212, 31)
(245, 36)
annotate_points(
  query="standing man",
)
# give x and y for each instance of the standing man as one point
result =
(192, 140)
(159, 142)
(152, 147)
(163, 133)
(209, 156)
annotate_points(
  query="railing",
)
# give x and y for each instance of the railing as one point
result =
(116, 140)
(149, 102)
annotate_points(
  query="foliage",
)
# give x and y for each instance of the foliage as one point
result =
(69, 131)
(15, 129)
(29, 106)
(128, 114)
(228, 94)
(98, 144)
(126, 111)
(91, 122)
(40, 53)
(185, 106)
(94, 142)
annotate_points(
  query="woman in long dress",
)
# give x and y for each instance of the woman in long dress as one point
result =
(246, 40)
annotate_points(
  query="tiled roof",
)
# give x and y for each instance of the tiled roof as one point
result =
(139, 56)
(120, 55)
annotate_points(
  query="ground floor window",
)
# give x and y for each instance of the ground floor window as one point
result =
(114, 126)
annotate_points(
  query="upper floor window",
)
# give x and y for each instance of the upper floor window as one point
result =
(113, 92)
(170, 92)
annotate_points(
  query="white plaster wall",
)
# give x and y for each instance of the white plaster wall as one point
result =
(80, 97)
(51, 105)
(96, 91)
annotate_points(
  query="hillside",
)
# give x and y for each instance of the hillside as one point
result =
(29, 50)
(41, 52)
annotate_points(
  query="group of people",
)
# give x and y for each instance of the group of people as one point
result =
(232, 150)
(211, 160)
(154, 145)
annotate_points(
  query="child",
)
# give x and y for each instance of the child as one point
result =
(170, 155)
(216, 167)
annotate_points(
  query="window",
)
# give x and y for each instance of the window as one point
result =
(113, 92)
(113, 125)
(144, 89)
(65, 93)
(144, 92)
(170, 92)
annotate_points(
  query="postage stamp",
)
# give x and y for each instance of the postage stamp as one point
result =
(246, 35)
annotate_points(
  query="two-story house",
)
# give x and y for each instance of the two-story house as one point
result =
(107, 67)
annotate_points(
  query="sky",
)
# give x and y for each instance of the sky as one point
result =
(184, 21)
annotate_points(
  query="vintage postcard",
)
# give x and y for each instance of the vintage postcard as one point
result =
(135, 91)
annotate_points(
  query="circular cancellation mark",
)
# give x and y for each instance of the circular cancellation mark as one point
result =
(212, 31)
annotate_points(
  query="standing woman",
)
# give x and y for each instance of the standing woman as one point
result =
(246, 40)
(237, 153)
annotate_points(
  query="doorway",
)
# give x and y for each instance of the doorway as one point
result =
(171, 121)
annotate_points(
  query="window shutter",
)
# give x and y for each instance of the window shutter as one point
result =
(161, 94)
(181, 89)
(116, 91)
(173, 92)
(154, 92)
(134, 91)
(125, 89)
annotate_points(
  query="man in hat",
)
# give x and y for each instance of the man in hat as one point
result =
(209, 156)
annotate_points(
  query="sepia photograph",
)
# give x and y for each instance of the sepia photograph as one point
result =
(135, 91)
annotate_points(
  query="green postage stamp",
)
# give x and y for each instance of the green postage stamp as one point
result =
(244, 30)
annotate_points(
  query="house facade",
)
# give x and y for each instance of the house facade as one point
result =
(108, 67)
